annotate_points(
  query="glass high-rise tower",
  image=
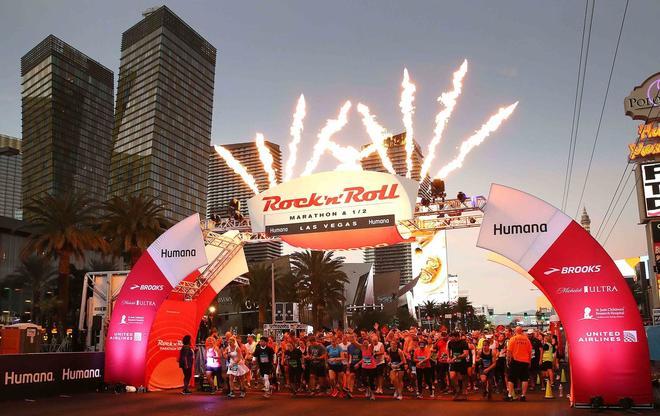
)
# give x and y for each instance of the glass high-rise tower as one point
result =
(162, 128)
(67, 121)
(10, 177)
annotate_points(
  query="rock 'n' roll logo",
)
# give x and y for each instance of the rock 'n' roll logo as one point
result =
(353, 194)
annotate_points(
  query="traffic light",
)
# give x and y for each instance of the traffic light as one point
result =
(525, 314)
(508, 314)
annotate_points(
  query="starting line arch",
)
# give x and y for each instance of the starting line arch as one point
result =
(173, 283)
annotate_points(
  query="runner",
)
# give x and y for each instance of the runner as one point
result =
(379, 354)
(442, 365)
(265, 355)
(519, 356)
(212, 363)
(547, 359)
(294, 364)
(336, 367)
(486, 366)
(354, 351)
(500, 369)
(397, 362)
(236, 369)
(368, 369)
(422, 359)
(317, 355)
(458, 351)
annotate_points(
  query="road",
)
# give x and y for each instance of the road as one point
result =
(173, 403)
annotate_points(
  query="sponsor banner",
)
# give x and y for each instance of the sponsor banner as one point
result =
(29, 376)
(431, 269)
(174, 255)
(336, 210)
(608, 346)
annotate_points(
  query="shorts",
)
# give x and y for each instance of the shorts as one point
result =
(317, 369)
(265, 370)
(337, 368)
(352, 368)
(546, 365)
(380, 369)
(518, 371)
(458, 367)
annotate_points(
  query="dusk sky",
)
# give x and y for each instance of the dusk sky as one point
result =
(271, 51)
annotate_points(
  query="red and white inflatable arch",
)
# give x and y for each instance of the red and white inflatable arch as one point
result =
(608, 349)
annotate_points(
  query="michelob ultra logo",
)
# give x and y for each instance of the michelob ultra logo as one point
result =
(343, 203)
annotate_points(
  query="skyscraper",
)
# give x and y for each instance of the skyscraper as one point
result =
(397, 257)
(585, 221)
(162, 128)
(10, 177)
(67, 121)
(225, 184)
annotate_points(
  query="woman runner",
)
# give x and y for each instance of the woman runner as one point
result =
(236, 369)
(397, 361)
(336, 366)
(368, 369)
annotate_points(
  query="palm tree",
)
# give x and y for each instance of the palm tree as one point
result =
(132, 223)
(37, 275)
(431, 308)
(464, 308)
(321, 281)
(63, 227)
(258, 291)
(445, 308)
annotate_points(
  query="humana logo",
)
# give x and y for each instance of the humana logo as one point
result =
(69, 374)
(28, 378)
(502, 229)
(178, 253)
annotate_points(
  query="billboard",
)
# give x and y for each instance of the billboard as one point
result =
(336, 210)
(650, 183)
(430, 266)
(609, 352)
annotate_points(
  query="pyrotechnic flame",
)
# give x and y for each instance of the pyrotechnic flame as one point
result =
(266, 159)
(476, 139)
(407, 110)
(296, 133)
(377, 133)
(331, 127)
(448, 99)
(348, 156)
(237, 167)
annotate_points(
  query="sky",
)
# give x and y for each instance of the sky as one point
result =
(269, 52)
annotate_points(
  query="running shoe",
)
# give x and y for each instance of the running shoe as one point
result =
(372, 397)
(242, 395)
(231, 395)
(432, 394)
(334, 393)
(399, 397)
(523, 398)
(508, 398)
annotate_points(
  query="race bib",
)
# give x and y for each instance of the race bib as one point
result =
(293, 363)
(234, 367)
(263, 359)
(367, 361)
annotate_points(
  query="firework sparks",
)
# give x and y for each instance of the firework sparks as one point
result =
(377, 133)
(407, 110)
(237, 167)
(266, 159)
(296, 134)
(331, 127)
(476, 139)
(448, 99)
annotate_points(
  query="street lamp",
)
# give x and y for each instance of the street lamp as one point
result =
(212, 309)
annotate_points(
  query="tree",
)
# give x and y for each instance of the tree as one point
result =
(257, 292)
(36, 275)
(445, 308)
(132, 223)
(321, 282)
(430, 308)
(63, 227)
(464, 308)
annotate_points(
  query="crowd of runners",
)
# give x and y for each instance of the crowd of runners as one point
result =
(347, 363)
